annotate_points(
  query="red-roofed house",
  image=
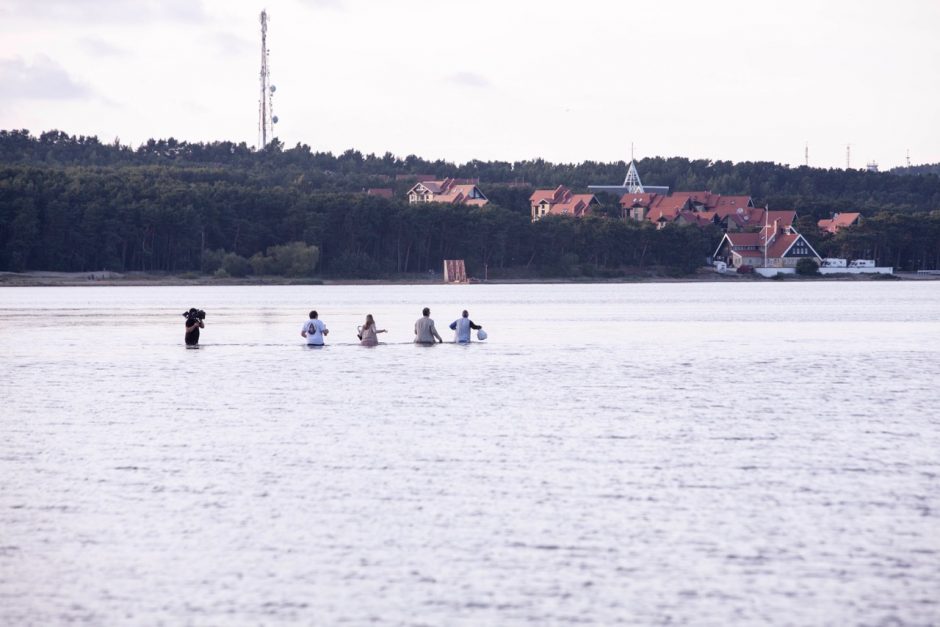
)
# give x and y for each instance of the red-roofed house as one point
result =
(638, 205)
(725, 205)
(709, 208)
(697, 201)
(776, 245)
(667, 209)
(560, 202)
(696, 218)
(453, 191)
(742, 219)
(839, 221)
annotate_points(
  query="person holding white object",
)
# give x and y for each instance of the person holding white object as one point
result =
(462, 326)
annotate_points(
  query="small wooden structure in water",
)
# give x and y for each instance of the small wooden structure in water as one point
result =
(455, 271)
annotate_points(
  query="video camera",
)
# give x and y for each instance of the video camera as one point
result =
(195, 314)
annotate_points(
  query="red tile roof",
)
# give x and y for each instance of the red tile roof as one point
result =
(839, 221)
(707, 204)
(456, 191)
(745, 239)
(754, 217)
(462, 195)
(781, 244)
(575, 204)
(785, 218)
(726, 205)
(698, 197)
(741, 219)
(668, 208)
(639, 200)
(551, 195)
(698, 218)
(561, 201)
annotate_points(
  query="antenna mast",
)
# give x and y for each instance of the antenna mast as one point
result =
(266, 117)
(908, 157)
(848, 156)
(806, 154)
(766, 235)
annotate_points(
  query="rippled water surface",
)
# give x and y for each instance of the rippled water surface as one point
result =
(638, 454)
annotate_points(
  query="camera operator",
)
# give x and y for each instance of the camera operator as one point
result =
(194, 322)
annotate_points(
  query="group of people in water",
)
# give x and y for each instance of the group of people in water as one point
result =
(315, 332)
(425, 332)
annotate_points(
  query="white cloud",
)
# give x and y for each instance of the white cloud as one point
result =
(230, 44)
(325, 4)
(110, 11)
(101, 48)
(43, 79)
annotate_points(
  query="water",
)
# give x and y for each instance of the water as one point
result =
(636, 454)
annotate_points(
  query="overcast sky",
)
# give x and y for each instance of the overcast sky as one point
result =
(569, 81)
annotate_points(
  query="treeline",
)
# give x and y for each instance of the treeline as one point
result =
(76, 204)
(166, 219)
(927, 168)
(906, 241)
(803, 189)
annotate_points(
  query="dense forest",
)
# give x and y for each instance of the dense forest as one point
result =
(76, 204)
(927, 168)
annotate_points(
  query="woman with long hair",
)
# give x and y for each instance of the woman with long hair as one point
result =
(368, 332)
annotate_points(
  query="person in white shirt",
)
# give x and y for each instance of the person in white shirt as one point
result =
(462, 326)
(314, 330)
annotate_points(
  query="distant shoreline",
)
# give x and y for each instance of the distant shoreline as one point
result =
(139, 279)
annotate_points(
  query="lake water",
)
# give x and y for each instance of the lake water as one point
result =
(637, 453)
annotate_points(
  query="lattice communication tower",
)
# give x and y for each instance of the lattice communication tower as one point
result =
(266, 117)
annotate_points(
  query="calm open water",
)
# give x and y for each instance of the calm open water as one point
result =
(760, 453)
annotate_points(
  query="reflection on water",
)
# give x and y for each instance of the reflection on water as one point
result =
(681, 453)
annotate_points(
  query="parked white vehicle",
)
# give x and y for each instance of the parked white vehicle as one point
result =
(856, 266)
(833, 262)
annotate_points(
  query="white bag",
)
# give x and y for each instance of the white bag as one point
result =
(481, 334)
